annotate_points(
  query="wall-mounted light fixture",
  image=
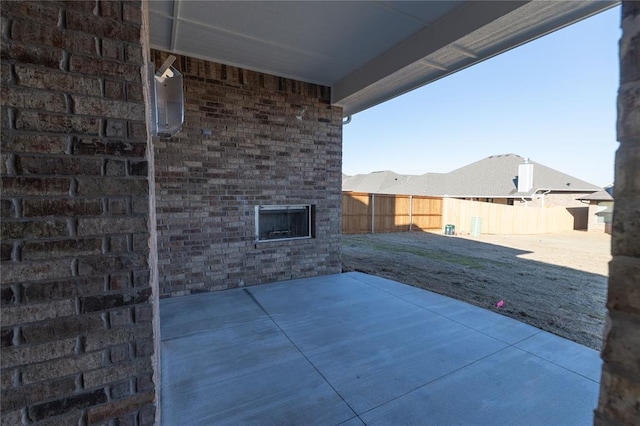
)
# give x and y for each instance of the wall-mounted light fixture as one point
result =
(168, 98)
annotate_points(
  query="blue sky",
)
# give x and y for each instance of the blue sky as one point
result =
(552, 100)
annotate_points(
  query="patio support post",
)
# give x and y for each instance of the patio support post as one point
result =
(619, 401)
(79, 303)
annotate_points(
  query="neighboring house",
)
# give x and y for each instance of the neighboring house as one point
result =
(503, 179)
(600, 210)
(384, 182)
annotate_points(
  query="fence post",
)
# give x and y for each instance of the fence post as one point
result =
(373, 213)
(410, 213)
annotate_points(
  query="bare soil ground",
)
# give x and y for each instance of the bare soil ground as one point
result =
(556, 282)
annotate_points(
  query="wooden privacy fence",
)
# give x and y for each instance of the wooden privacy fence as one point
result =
(364, 213)
(501, 219)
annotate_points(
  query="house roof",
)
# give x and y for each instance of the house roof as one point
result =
(597, 196)
(492, 177)
(381, 182)
(366, 51)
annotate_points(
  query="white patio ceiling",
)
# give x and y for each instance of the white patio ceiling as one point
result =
(367, 51)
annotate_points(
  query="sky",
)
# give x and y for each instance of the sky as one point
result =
(552, 100)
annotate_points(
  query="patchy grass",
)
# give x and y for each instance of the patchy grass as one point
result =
(440, 255)
(553, 282)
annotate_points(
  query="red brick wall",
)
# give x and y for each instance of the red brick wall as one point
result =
(77, 336)
(258, 153)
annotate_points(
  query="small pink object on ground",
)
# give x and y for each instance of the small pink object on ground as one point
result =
(500, 304)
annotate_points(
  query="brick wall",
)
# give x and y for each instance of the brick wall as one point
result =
(258, 153)
(594, 225)
(77, 336)
(600, 216)
(620, 385)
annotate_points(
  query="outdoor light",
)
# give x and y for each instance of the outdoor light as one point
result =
(168, 98)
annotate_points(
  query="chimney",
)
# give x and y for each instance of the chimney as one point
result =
(525, 176)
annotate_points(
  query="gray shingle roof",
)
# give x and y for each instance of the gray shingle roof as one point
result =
(492, 177)
(376, 182)
(597, 196)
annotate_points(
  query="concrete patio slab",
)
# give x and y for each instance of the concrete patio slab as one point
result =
(579, 359)
(355, 421)
(193, 314)
(490, 323)
(360, 346)
(355, 349)
(244, 375)
(511, 387)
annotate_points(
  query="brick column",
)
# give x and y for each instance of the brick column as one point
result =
(620, 387)
(77, 334)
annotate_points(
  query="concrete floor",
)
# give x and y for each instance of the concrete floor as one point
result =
(355, 349)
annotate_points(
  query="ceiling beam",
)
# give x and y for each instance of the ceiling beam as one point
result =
(401, 82)
(466, 52)
(441, 33)
(432, 64)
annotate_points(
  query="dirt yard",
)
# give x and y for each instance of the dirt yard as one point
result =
(556, 282)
